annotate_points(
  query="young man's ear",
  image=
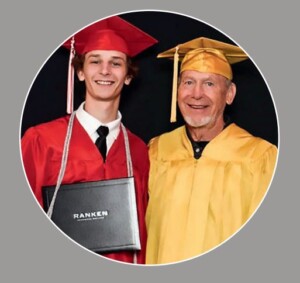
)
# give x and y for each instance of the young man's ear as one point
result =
(128, 80)
(80, 75)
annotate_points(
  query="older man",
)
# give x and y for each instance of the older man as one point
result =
(207, 177)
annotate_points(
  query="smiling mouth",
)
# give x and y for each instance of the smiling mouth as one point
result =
(104, 82)
(193, 106)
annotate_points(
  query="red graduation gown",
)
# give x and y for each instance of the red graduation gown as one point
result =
(42, 148)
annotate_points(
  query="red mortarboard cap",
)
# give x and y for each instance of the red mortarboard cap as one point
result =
(112, 33)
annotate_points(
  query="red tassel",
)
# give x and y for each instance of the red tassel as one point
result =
(70, 87)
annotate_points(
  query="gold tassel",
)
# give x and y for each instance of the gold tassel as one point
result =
(174, 88)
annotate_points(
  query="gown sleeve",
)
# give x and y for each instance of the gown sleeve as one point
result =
(34, 161)
(262, 170)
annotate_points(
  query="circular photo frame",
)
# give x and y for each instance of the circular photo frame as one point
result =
(185, 204)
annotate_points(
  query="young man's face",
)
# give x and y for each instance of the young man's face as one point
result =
(104, 73)
(202, 98)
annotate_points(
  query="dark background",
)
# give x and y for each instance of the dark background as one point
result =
(146, 102)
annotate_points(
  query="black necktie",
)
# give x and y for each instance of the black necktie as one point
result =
(101, 140)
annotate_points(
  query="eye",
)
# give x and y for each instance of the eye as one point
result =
(116, 63)
(209, 83)
(94, 61)
(188, 82)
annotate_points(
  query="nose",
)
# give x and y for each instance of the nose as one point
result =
(197, 91)
(104, 69)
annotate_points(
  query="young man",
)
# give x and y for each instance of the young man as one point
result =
(103, 62)
(209, 176)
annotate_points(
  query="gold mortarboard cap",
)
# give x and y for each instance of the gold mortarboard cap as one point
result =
(203, 55)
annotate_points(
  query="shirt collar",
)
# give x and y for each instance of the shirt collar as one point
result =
(198, 147)
(91, 124)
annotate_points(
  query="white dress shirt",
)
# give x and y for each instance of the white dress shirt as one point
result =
(91, 124)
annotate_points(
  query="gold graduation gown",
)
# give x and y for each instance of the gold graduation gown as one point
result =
(195, 204)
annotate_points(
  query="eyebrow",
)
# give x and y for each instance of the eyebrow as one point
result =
(191, 77)
(99, 56)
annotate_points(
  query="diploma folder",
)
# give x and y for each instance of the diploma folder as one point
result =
(101, 215)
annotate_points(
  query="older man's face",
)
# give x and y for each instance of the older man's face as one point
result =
(202, 98)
